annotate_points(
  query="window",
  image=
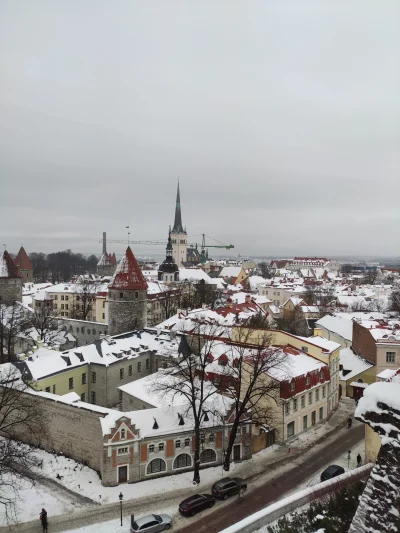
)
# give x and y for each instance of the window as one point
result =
(83, 397)
(66, 298)
(130, 370)
(136, 295)
(208, 456)
(323, 392)
(292, 386)
(54, 389)
(62, 313)
(161, 447)
(71, 383)
(84, 378)
(147, 364)
(305, 422)
(317, 395)
(303, 401)
(47, 389)
(93, 397)
(321, 413)
(287, 408)
(66, 306)
(139, 367)
(56, 297)
(390, 357)
(123, 434)
(122, 451)
(187, 442)
(182, 461)
(211, 437)
(121, 373)
(121, 294)
(77, 298)
(321, 376)
(62, 297)
(155, 466)
(294, 405)
(202, 438)
(151, 448)
(93, 377)
(104, 315)
(290, 430)
(104, 304)
(307, 380)
(62, 306)
(177, 444)
(309, 398)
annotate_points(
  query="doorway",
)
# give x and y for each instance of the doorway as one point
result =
(122, 474)
(236, 452)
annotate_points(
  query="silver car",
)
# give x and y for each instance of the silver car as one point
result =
(152, 523)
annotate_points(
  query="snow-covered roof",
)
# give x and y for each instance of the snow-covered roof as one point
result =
(255, 282)
(297, 363)
(230, 272)
(387, 374)
(194, 274)
(337, 325)
(353, 363)
(325, 344)
(128, 275)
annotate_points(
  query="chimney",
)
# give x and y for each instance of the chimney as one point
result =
(104, 242)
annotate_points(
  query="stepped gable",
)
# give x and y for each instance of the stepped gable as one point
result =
(104, 260)
(8, 269)
(128, 275)
(22, 260)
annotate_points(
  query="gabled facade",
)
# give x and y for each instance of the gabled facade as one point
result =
(24, 264)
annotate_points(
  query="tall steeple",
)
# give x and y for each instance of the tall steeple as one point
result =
(178, 227)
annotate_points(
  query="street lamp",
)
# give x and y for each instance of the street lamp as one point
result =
(121, 497)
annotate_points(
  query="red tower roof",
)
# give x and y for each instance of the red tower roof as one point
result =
(113, 259)
(8, 269)
(128, 275)
(22, 260)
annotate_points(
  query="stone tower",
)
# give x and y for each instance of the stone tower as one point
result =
(169, 270)
(10, 281)
(106, 265)
(179, 235)
(127, 297)
(24, 264)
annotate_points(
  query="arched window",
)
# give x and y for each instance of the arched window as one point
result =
(208, 456)
(156, 465)
(122, 433)
(183, 461)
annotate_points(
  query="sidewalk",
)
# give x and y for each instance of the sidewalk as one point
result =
(265, 463)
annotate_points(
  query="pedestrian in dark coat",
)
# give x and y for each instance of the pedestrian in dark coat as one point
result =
(43, 518)
(349, 422)
(359, 460)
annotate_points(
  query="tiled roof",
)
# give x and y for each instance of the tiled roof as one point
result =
(22, 260)
(8, 269)
(128, 275)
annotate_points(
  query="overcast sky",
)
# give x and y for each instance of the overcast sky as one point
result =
(282, 120)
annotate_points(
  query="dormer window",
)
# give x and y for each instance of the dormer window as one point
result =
(307, 380)
(121, 295)
(123, 434)
(292, 386)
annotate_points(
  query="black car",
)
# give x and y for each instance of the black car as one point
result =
(228, 486)
(331, 472)
(195, 504)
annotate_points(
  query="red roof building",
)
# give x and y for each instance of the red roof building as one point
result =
(8, 269)
(128, 275)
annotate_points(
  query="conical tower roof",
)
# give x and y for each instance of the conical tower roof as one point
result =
(8, 269)
(178, 227)
(22, 260)
(128, 275)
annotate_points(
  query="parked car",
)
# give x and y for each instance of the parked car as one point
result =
(152, 523)
(228, 486)
(331, 471)
(195, 504)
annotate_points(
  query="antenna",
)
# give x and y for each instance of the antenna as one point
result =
(128, 228)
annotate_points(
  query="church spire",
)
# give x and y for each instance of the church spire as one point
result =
(178, 228)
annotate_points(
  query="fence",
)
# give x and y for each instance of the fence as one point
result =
(263, 440)
(296, 500)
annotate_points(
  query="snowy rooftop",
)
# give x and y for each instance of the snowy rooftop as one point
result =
(194, 274)
(337, 325)
(230, 272)
(297, 363)
(325, 344)
(352, 363)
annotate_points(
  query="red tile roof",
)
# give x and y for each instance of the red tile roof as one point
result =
(22, 260)
(8, 269)
(128, 275)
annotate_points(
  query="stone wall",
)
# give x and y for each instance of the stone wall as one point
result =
(363, 342)
(84, 331)
(10, 290)
(128, 312)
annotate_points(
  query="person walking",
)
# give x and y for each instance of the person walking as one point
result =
(359, 460)
(349, 422)
(241, 494)
(43, 518)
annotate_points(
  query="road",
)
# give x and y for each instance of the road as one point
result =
(274, 489)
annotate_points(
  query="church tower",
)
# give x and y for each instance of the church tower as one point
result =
(178, 235)
(127, 297)
(168, 270)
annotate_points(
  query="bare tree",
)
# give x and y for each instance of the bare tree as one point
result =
(265, 270)
(184, 381)
(394, 301)
(169, 300)
(19, 415)
(14, 321)
(250, 362)
(84, 299)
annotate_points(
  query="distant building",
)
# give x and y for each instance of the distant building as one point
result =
(24, 264)
(179, 235)
(10, 280)
(106, 265)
